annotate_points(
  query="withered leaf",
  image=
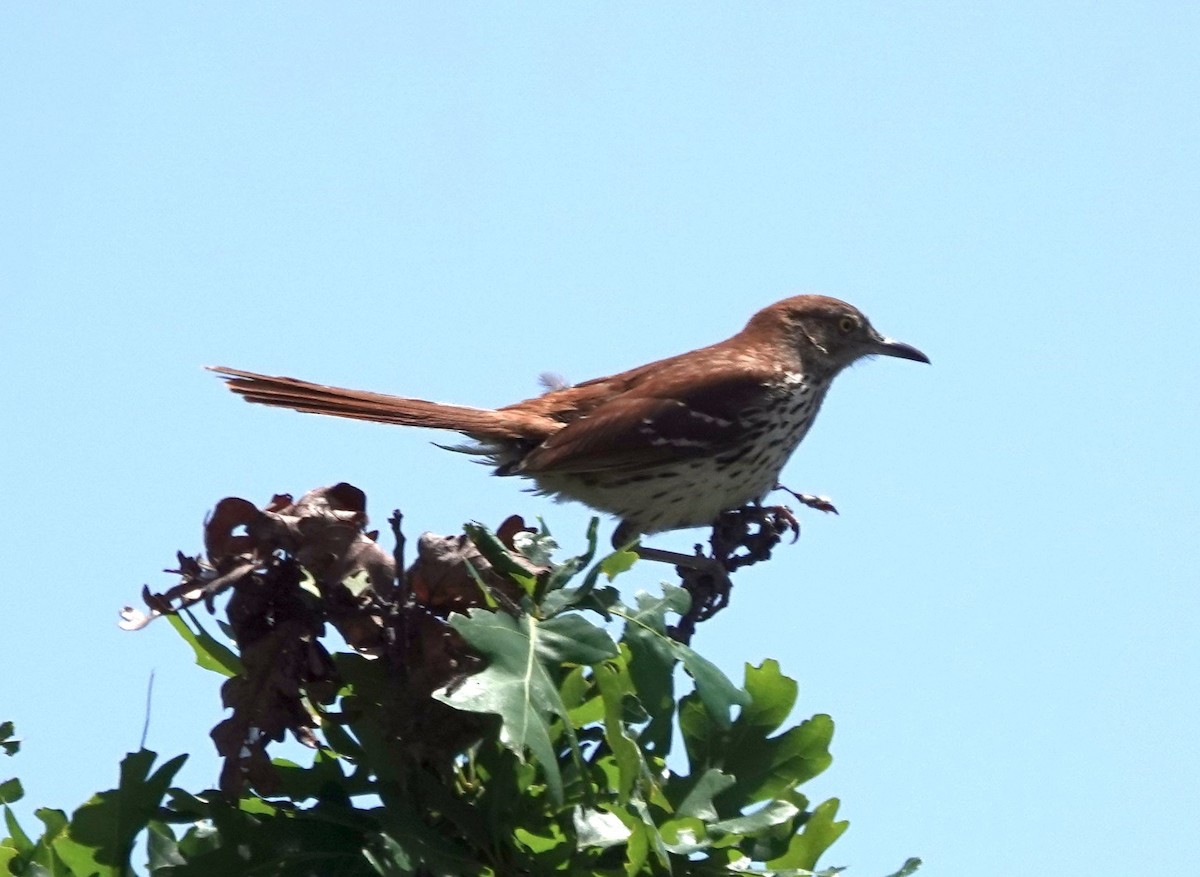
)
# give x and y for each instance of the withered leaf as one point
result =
(440, 578)
(294, 567)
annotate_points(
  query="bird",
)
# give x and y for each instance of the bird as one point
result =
(665, 446)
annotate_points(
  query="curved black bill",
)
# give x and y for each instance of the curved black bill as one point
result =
(888, 347)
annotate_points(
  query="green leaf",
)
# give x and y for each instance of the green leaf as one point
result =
(43, 858)
(717, 693)
(618, 562)
(782, 762)
(560, 598)
(637, 848)
(699, 800)
(612, 677)
(7, 743)
(162, 847)
(684, 835)
(586, 596)
(111, 820)
(388, 857)
(652, 667)
(772, 696)
(186, 807)
(20, 840)
(7, 855)
(506, 787)
(820, 831)
(210, 653)
(587, 713)
(576, 689)
(580, 696)
(524, 656)
(767, 767)
(775, 813)
(909, 867)
(572, 639)
(410, 847)
(541, 844)
(498, 556)
(81, 859)
(323, 778)
(11, 791)
(653, 836)
(598, 828)
(54, 820)
(645, 631)
(202, 839)
(764, 767)
(537, 547)
(567, 570)
(257, 806)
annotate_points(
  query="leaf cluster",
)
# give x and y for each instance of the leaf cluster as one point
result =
(494, 712)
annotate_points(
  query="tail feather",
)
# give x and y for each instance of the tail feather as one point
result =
(310, 398)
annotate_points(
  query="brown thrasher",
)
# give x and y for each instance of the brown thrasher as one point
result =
(667, 445)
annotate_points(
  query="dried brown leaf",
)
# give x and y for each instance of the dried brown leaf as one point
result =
(440, 578)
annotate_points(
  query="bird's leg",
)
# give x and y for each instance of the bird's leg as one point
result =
(626, 538)
(820, 503)
(698, 562)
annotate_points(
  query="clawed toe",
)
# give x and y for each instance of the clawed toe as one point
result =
(820, 503)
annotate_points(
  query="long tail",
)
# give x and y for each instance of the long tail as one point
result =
(479, 423)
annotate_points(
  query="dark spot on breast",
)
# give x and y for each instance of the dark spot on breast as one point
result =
(734, 456)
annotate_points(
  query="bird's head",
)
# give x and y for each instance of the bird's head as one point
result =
(828, 334)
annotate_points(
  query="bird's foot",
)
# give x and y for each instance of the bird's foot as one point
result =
(820, 503)
(740, 537)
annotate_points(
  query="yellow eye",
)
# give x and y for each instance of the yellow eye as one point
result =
(847, 324)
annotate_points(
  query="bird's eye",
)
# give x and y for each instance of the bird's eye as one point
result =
(847, 324)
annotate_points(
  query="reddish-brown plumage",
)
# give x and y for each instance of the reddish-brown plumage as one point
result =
(667, 445)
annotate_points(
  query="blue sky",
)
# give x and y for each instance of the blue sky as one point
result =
(445, 200)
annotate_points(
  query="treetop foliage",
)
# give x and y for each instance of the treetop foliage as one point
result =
(491, 710)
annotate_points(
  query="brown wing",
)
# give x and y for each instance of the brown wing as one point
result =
(661, 420)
